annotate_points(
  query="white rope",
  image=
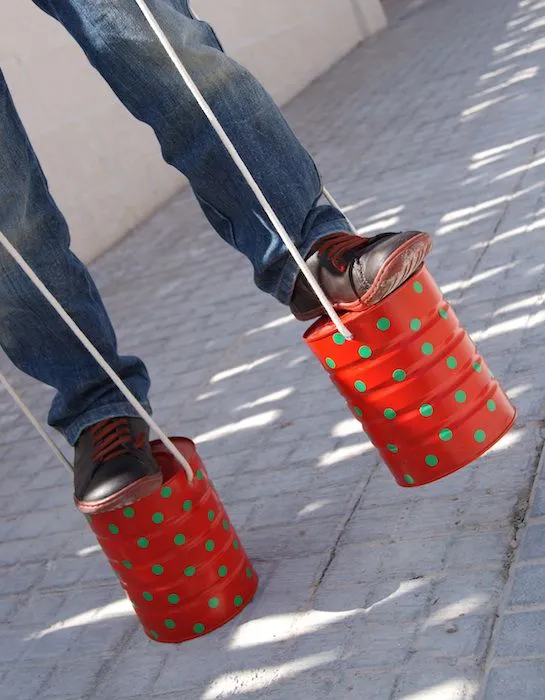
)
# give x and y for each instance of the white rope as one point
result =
(28, 413)
(97, 356)
(327, 194)
(333, 315)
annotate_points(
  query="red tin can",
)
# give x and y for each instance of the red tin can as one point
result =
(176, 553)
(413, 378)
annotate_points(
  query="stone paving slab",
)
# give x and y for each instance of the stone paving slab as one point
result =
(368, 591)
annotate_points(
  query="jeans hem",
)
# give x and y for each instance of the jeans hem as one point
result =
(291, 269)
(113, 410)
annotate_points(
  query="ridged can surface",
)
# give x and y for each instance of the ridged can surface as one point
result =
(177, 555)
(414, 379)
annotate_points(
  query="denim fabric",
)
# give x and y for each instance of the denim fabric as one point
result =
(119, 44)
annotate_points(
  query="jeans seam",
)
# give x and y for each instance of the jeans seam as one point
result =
(220, 215)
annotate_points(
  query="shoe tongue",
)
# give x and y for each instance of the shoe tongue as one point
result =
(106, 422)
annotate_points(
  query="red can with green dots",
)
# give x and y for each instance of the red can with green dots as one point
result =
(177, 555)
(413, 378)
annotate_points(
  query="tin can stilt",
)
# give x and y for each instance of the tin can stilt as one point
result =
(177, 555)
(414, 379)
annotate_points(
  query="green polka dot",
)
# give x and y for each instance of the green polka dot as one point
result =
(199, 475)
(393, 448)
(339, 339)
(154, 634)
(238, 601)
(190, 571)
(236, 544)
(358, 412)
(142, 542)
(179, 539)
(491, 405)
(157, 569)
(128, 512)
(390, 414)
(211, 515)
(416, 324)
(409, 479)
(222, 571)
(173, 598)
(480, 436)
(399, 375)
(225, 525)
(198, 628)
(166, 492)
(443, 313)
(360, 386)
(330, 363)
(187, 506)
(445, 434)
(147, 596)
(431, 460)
(170, 624)
(210, 545)
(418, 287)
(249, 572)
(113, 529)
(477, 367)
(127, 564)
(452, 362)
(365, 352)
(460, 396)
(427, 348)
(89, 518)
(383, 324)
(157, 518)
(213, 603)
(426, 410)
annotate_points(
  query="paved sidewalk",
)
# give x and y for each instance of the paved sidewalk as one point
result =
(368, 591)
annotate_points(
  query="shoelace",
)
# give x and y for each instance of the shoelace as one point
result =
(333, 250)
(112, 438)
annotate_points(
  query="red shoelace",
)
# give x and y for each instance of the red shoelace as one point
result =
(333, 249)
(112, 438)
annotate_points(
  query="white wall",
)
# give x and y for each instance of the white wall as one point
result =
(104, 168)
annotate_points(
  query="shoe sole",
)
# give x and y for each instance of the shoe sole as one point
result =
(126, 497)
(397, 269)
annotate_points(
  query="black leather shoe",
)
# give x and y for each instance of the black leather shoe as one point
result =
(113, 465)
(357, 272)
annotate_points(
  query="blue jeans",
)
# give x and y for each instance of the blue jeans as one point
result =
(118, 43)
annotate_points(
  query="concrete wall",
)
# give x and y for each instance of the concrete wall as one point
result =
(105, 168)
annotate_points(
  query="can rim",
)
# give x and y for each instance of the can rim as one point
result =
(323, 326)
(187, 447)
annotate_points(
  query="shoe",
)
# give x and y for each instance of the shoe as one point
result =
(357, 272)
(113, 465)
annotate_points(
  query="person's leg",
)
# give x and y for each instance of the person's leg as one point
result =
(33, 336)
(121, 45)
(118, 42)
